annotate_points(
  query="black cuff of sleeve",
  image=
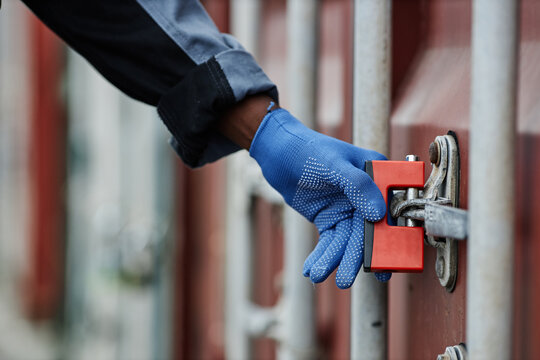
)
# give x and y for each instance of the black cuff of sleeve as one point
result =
(191, 109)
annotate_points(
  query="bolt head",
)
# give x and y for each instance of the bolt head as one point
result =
(434, 153)
(411, 158)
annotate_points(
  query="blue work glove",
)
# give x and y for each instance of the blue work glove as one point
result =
(324, 180)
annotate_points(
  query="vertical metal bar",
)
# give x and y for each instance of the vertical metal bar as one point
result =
(165, 218)
(245, 16)
(371, 111)
(239, 250)
(297, 318)
(411, 193)
(302, 38)
(15, 115)
(490, 257)
(94, 134)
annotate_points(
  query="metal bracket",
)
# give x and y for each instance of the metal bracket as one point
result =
(444, 224)
(445, 152)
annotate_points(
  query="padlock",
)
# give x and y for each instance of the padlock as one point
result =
(389, 248)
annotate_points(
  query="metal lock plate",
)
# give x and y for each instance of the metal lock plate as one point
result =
(444, 183)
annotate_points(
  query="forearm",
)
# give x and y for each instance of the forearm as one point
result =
(240, 123)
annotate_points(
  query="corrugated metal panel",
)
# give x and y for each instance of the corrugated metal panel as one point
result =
(431, 88)
(433, 99)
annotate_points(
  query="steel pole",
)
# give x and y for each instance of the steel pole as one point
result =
(245, 16)
(490, 259)
(297, 332)
(371, 111)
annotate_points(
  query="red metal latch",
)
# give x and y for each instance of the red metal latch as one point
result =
(394, 248)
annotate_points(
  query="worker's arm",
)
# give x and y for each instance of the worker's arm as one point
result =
(214, 99)
(167, 53)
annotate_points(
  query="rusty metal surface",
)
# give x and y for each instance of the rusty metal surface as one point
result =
(435, 98)
(424, 318)
(198, 313)
(527, 268)
(431, 62)
(527, 275)
(199, 293)
(44, 278)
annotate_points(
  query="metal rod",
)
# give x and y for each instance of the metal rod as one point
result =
(490, 257)
(302, 58)
(245, 16)
(411, 193)
(297, 332)
(371, 111)
(239, 251)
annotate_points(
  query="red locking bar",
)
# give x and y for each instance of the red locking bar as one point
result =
(394, 248)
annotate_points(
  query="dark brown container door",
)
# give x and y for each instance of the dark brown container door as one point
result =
(432, 93)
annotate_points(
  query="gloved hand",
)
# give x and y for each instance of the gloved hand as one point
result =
(323, 179)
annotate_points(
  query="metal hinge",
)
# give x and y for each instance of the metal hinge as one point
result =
(436, 206)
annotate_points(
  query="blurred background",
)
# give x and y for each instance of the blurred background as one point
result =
(110, 248)
(87, 183)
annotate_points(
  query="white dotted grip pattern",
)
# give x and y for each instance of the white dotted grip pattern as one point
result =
(337, 203)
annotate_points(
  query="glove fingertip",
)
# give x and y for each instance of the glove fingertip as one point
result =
(346, 273)
(319, 274)
(307, 268)
(344, 282)
(383, 277)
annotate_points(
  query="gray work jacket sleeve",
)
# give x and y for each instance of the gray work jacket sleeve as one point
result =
(167, 53)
